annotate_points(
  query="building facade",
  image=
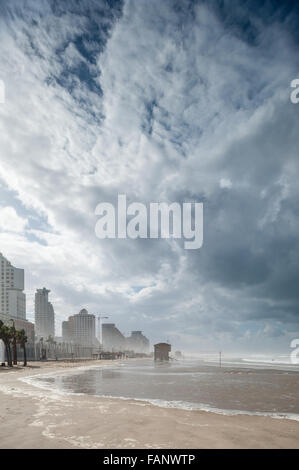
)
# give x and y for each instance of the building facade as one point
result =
(68, 331)
(13, 302)
(44, 314)
(67, 336)
(113, 340)
(138, 343)
(20, 324)
(28, 327)
(84, 328)
(80, 329)
(12, 297)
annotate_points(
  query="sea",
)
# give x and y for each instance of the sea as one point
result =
(255, 385)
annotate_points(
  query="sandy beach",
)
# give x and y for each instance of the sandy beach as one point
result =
(32, 417)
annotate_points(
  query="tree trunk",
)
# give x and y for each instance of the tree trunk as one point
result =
(25, 355)
(15, 357)
(8, 354)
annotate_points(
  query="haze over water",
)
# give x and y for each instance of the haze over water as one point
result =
(239, 386)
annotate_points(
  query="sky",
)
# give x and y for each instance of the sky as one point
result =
(164, 101)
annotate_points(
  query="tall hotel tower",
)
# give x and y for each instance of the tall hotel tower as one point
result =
(44, 315)
(12, 297)
(80, 329)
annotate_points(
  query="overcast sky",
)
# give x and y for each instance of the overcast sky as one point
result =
(161, 101)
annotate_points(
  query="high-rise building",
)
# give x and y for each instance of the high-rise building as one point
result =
(66, 333)
(12, 297)
(138, 343)
(112, 338)
(80, 329)
(83, 326)
(44, 314)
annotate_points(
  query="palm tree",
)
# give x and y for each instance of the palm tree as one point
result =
(50, 340)
(14, 342)
(22, 340)
(42, 350)
(51, 345)
(6, 336)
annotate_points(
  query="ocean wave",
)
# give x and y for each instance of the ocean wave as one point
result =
(268, 361)
(210, 409)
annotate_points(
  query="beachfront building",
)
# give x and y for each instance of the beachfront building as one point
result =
(13, 302)
(138, 343)
(84, 328)
(28, 327)
(113, 340)
(80, 329)
(67, 335)
(44, 314)
(68, 330)
(20, 324)
(162, 351)
(12, 297)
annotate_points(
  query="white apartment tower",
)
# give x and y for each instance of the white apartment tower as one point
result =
(44, 315)
(84, 328)
(12, 297)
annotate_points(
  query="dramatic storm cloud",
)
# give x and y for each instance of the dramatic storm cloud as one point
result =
(162, 101)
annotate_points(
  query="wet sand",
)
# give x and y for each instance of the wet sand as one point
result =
(36, 418)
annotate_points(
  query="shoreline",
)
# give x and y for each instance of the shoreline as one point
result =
(172, 404)
(35, 417)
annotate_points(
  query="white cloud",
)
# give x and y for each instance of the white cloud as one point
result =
(10, 221)
(185, 110)
(225, 183)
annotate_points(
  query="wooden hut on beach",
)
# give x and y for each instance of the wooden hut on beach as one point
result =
(162, 351)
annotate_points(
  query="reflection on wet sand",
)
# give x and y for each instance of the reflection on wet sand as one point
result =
(191, 384)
